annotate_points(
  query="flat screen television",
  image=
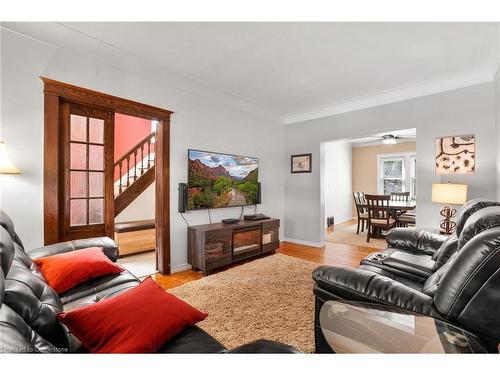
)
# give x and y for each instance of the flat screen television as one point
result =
(221, 180)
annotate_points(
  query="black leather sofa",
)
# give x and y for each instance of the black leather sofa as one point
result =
(412, 256)
(28, 306)
(459, 282)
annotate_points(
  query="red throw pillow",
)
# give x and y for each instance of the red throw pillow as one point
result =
(139, 320)
(67, 270)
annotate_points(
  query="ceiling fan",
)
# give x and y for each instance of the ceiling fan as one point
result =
(390, 139)
(387, 139)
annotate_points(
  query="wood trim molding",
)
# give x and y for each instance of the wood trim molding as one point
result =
(108, 102)
(51, 170)
(55, 93)
(162, 196)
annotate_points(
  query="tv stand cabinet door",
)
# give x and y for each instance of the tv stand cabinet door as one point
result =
(270, 236)
(217, 249)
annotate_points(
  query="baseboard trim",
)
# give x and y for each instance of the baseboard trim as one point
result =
(302, 242)
(180, 268)
(342, 222)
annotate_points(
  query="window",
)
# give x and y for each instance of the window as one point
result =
(397, 173)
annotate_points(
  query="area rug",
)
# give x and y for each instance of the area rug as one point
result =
(346, 233)
(269, 298)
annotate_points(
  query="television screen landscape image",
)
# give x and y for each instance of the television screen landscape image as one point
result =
(221, 180)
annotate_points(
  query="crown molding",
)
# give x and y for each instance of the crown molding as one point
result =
(138, 66)
(436, 86)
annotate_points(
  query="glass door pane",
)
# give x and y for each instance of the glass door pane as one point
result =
(86, 170)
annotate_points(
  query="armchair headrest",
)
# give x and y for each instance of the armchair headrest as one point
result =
(479, 221)
(469, 209)
(7, 250)
(6, 222)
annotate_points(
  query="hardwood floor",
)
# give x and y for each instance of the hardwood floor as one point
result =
(337, 254)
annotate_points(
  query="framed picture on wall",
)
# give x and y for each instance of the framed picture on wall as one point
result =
(301, 163)
(456, 155)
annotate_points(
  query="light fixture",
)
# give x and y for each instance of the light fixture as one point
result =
(388, 139)
(448, 194)
(6, 166)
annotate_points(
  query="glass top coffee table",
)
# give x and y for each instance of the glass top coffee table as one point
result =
(356, 327)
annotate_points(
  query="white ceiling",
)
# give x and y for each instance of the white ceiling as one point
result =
(294, 71)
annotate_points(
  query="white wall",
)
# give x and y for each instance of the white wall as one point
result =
(496, 84)
(462, 111)
(142, 208)
(197, 123)
(337, 182)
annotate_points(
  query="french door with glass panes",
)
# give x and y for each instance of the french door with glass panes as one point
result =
(88, 205)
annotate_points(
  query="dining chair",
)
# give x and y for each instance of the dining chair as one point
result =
(360, 202)
(400, 197)
(403, 217)
(379, 215)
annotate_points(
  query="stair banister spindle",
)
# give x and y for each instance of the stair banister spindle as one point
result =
(120, 186)
(142, 159)
(149, 150)
(128, 170)
(135, 164)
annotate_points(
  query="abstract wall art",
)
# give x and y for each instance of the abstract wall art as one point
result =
(456, 155)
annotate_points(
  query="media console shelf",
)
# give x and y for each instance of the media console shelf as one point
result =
(211, 246)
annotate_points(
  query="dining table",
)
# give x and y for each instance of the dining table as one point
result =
(395, 205)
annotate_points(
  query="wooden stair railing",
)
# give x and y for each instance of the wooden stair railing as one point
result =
(135, 173)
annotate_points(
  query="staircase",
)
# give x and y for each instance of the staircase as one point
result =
(134, 172)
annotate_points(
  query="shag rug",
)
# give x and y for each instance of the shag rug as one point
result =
(269, 298)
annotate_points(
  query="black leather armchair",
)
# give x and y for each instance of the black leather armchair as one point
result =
(464, 291)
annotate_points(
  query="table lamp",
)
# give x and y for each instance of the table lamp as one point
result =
(448, 194)
(6, 166)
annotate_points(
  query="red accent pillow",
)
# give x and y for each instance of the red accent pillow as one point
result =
(67, 270)
(139, 320)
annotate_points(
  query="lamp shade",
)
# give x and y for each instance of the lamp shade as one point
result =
(449, 193)
(6, 166)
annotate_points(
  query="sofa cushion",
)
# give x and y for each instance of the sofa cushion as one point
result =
(97, 290)
(409, 281)
(192, 340)
(139, 320)
(28, 294)
(67, 270)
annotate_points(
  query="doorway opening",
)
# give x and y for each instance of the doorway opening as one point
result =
(134, 193)
(378, 164)
(96, 193)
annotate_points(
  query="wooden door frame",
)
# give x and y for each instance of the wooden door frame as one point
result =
(54, 93)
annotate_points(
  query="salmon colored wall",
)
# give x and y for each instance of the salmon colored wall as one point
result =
(128, 132)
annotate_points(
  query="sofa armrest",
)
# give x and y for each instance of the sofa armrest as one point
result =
(107, 244)
(264, 347)
(415, 240)
(356, 284)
